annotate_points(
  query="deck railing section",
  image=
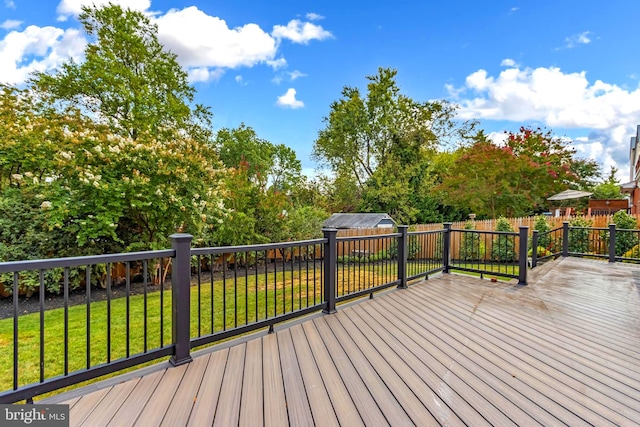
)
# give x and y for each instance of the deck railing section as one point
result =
(218, 293)
(242, 288)
(100, 296)
(495, 253)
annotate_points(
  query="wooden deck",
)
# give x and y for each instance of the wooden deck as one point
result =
(453, 350)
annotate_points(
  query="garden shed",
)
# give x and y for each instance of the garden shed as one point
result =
(359, 220)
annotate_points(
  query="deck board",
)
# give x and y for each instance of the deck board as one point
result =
(204, 409)
(251, 406)
(453, 350)
(228, 409)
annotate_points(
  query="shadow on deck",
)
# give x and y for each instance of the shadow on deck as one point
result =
(453, 350)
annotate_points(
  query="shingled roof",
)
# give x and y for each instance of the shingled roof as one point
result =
(358, 220)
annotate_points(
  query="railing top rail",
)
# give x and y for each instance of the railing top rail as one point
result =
(571, 227)
(372, 237)
(260, 247)
(506, 233)
(421, 233)
(550, 231)
(41, 264)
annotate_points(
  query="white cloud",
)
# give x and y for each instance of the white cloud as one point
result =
(314, 16)
(204, 74)
(288, 100)
(68, 8)
(607, 113)
(514, 9)
(508, 62)
(203, 41)
(300, 32)
(37, 49)
(240, 80)
(10, 24)
(10, 4)
(577, 39)
(288, 75)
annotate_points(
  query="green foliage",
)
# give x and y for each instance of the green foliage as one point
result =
(544, 238)
(609, 188)
(513, 179)
(579, 238)
(503, 246)
(128, 79)
(625, 240)
(542, 252)
(413, 248)
(379, 147)
(471, 246)
(634, 252)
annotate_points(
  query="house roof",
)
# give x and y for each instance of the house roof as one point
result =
(357, 220)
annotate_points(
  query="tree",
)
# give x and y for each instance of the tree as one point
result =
(515, 178)
(609, 188)
(128, 80)
(378, 146)
(95, 191)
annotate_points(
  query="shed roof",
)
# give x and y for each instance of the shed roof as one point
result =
(357, 220)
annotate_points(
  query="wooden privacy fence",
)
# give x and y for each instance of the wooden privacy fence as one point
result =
(596, 221)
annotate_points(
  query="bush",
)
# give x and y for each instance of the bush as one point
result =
(413, 249)
(544, 238)
(471, 247)
(579, 238)
(634, 252)
(503, 247)
(542, 252)
(625, 240)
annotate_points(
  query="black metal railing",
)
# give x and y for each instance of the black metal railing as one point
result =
(496, 253)
(100, 297)
(545, 245)
(243, 288)
(425, 253)
(165, 303)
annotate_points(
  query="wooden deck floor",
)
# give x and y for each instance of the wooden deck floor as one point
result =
(453, 350)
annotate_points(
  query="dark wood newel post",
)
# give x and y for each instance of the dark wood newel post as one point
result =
(180, 298)
(522, 255)
(612, 243)
(565, 239)
(402, 255)
(330, 257)
(446, 247)
(534, 249)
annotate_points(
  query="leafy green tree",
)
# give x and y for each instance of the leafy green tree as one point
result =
(378, 146)
(128, 79)
(609, 188)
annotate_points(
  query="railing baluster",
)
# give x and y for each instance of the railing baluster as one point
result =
(15, 329)
(87, 279)
(161, 280)
(66, 321)
(128, 308)
(145, 275)
(213, 295)
(108, 312)
(41, 292)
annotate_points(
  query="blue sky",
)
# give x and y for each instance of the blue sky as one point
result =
(571, 66)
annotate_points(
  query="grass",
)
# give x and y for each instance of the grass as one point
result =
(213, 308)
